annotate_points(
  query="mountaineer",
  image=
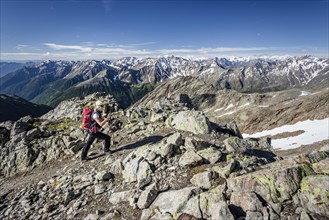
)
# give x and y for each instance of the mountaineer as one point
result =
(95, 123)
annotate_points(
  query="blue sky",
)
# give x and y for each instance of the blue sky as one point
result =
(107, 29)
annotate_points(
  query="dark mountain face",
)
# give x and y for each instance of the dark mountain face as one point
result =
(53, 81)
(13, 108)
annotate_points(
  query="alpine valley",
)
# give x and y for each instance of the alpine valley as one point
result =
(182, 151)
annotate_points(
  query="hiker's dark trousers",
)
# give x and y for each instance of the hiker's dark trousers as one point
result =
(91, 139)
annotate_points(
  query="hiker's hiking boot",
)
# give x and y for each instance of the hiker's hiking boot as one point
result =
(86, 158)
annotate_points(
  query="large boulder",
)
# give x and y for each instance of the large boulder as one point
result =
(276, 183)
(192, 121)
(172, 201)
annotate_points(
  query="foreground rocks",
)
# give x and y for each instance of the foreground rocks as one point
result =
(159, 170)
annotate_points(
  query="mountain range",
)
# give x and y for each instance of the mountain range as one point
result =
(129, 78)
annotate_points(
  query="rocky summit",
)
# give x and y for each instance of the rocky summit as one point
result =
(169, 161)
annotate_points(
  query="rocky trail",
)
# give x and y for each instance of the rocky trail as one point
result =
(169, 162)
(62, 166)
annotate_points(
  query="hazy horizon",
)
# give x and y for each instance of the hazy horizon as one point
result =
(155, 57)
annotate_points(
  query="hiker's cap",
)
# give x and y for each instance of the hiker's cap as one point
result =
(99, 103)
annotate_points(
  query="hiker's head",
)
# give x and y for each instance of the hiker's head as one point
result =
(99, 105)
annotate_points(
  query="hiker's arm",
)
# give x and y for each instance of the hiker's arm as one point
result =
(101, 123)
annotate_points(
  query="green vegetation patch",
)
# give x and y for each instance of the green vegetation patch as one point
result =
(140, 90)
(62, 125)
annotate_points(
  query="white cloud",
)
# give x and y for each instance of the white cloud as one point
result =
(212, 51)
(144, 43)
(68, 47)
(98, 51)
(21, 47)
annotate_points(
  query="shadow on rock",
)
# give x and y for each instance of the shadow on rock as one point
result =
(94, 156)
(145, 141)
(268, 155)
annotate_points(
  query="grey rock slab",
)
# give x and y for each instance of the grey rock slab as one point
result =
(248, 201)
(220, 211)
(192, 207)
(99, 189)
(130, 169)
(204, 180)
(190, 158)
(175, 139)
(173, 201)
(166, 150)
(162, 216)
(208, 198)
(227, 170)
(234, 128)
(118, 197)
(196, 144)
(144, 171)
(148, 196)
(210, 154)
(236, 145)
(277, 182)
(192, 121)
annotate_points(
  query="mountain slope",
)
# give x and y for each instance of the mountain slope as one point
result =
(13, 108)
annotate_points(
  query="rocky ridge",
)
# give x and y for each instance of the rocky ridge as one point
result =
(169, 162)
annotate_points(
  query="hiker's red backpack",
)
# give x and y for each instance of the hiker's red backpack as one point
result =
(87, 122)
